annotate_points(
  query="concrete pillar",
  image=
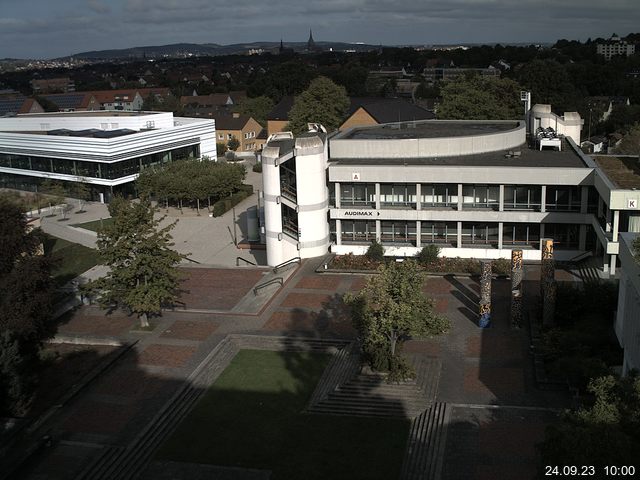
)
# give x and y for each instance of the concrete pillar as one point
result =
(608, 221)
(378, 231)
(418, 236)
(459, 239)
(337, 194)
(377, 196)
(501, 199)
(338, 232)
(616, 224)
(584, 199)
(516, 309)
(543, 199)
(459, 196)
(541, 231)
(600, 206)
(612, 265)
(485, 295)
(582, 238)
(418, 196)
(500, 230)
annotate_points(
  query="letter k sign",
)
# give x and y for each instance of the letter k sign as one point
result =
(632, 203)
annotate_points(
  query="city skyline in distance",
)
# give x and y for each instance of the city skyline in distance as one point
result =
(42, 29)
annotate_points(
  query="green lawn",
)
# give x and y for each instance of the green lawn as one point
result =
(70, 259)
(95, 224)
(252, 417)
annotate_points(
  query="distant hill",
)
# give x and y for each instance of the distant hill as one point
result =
(213, 49)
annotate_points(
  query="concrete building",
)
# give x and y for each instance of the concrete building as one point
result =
(105, 149)
(615, 46)
(477, 189)
(627, 325)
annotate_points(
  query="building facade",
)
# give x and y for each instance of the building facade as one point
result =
(615, 46)
(476, 189)
(105, 149)
(627, 325)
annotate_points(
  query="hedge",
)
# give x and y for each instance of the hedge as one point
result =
(224, 205)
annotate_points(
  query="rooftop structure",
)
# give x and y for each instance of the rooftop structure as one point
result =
(105, 149)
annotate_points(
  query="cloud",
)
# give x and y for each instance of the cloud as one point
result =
(98, 7)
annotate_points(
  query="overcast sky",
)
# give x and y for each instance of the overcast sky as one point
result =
(52, 28)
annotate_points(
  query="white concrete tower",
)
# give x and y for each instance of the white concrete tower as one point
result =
(296, 197)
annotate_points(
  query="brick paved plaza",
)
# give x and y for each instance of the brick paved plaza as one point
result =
(481, 369)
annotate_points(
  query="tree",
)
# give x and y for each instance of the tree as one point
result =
(26, 296)
(143, 274)
(57, 191)
(549, 83)
(630, 144)
(481, 98)
(605, 433)
(375, 252)
(258, 108)
(233, 144)
(81, 191)
(323, 102)
(390, 309)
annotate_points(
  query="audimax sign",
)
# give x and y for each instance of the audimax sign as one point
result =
(361, 213)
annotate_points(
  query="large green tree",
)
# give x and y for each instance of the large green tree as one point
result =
(481, 98)
(258, 108)
(392, 308)
(605, 433)
(630, 144)
(143, 274)
(550, 83)
(26, 296)
(323, 102)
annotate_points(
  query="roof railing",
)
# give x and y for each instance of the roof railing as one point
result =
(249, 262)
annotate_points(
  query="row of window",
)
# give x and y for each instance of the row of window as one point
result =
(446, 233)
(109, 171)
(516, 197)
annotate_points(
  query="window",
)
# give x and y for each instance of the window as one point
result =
(397, 195)
(439, 195)
(439, 232)
(563, 198)
(521, 234)
(221, 137)
(289, 221)
(229, 136)
(522, 197)
(358, 231)
(480, 234)
(565, 236)
(481, 196)
(357, 195)
(397, 232)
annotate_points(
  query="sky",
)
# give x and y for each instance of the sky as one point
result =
(54, 28)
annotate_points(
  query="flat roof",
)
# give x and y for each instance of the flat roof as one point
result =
(567, 158)
(428, 129)
(91, 113)
(624, 172)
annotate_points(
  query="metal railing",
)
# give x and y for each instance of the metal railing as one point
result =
(193, 261)
(581, 256)
(291, 261)
(267, 283)
(244, 260)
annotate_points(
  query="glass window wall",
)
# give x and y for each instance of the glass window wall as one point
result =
(439, 232)
(521, 234)
(439, 195)
(481, 196)
(397, 232)
(358, 231)
(563, 198)
(398, 195)
(522, 197)
(358, 195)
(485, 234)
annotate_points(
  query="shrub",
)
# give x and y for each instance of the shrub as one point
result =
(501, 266)
(221, 148)
(429, 254)
(257, 167)
(226, 204)
(375, 252)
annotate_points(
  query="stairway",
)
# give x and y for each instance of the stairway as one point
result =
(427, 438)
(368, 394)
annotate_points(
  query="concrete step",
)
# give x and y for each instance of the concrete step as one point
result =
(427, 437)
